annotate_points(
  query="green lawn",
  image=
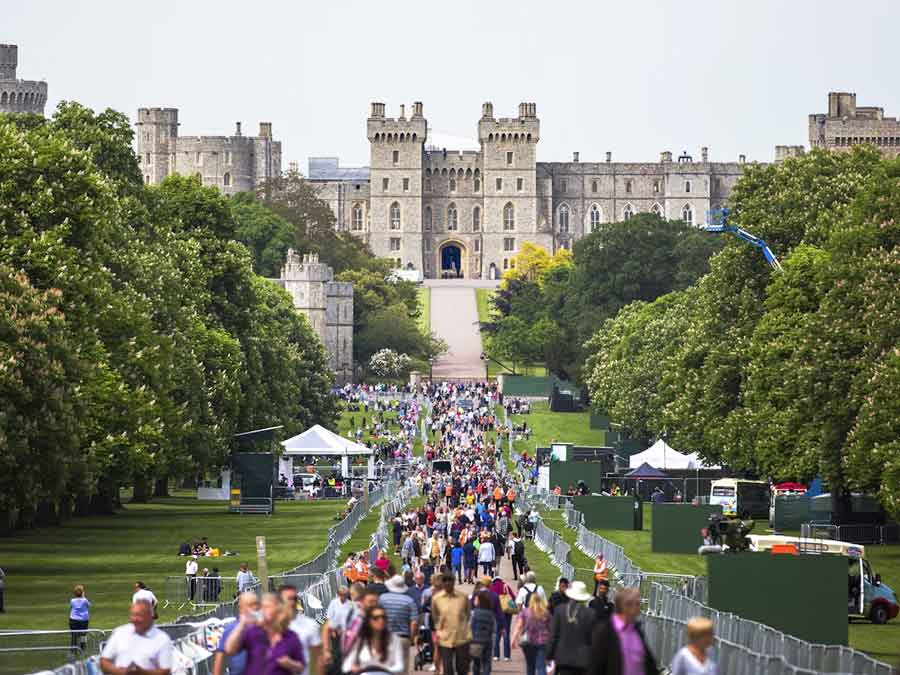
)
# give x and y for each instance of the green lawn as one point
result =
(390, 417)
(483, 301)
(109, 553)
(425, 308)
(548, 426)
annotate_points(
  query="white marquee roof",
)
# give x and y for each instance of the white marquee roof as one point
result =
(661, 455)
(317, 440)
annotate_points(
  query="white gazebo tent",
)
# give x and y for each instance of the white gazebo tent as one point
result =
(319, 441)
(661, 455)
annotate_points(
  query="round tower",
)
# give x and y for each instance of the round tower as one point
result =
(18, 96)
(9, 60)
(157, 138)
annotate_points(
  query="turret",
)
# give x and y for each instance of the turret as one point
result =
(9, 60)
(157, 134)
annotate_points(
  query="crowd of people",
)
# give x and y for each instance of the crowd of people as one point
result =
(407, 610)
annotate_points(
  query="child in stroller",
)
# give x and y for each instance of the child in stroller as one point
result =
(425, 650)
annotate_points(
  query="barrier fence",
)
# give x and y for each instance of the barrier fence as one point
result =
(856, 534)
(743, 647)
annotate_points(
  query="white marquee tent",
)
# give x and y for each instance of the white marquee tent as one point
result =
(663, 456)
(320, 442)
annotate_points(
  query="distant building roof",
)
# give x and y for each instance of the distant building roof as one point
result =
(328, 168)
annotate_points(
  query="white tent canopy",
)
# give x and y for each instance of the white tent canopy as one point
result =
(319, 441)
(663, 456)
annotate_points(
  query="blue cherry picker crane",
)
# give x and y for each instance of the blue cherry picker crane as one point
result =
(718, 219)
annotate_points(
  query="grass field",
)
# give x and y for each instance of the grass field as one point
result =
(548, 426)
(109, 553)
(344, 428)
(483, 302)
(425, 307)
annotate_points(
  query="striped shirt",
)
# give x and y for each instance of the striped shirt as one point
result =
(401, 610)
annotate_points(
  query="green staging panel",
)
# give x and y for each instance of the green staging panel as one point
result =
(676, 527)
(611, 513)
(801, 595)
(565, 474)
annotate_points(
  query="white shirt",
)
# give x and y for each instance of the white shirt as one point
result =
(685, 663)
(310, 634)
(191, 567)
(486, 552)
(338, 613)
(153, 649)
(144, 594)
(365, 658)
(525, 590)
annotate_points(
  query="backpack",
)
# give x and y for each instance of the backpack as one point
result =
(519, 549)
(528, 594)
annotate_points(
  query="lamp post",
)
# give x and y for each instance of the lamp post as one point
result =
(430, 369)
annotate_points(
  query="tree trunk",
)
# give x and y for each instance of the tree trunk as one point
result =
(106, 501)
(161, 488)
(141, 490)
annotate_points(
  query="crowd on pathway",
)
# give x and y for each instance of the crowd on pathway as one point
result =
(410, 612)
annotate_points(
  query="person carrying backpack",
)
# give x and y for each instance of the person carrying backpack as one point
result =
(518, 557)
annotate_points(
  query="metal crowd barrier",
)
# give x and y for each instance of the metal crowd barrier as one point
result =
(856, 534)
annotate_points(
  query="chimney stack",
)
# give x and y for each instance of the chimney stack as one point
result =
(608, 156)
(417, 109)
(237, 128)
(402, 111)
(377, 110)
(575, 156)
(265, 130)
(704, 154)
(487, 111)
(665, 156)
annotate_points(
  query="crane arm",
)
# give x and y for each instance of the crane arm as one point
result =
(720, 225)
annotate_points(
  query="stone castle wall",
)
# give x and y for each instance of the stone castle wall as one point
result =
(18, 96)
(846, 125)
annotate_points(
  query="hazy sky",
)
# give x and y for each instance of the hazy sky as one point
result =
(634, 77)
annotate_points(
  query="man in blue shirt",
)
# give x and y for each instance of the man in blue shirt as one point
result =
(248, 604)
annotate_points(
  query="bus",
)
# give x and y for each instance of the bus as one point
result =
(741, 498)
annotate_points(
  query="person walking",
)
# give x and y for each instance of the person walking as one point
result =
(142, 593)
(601, 571)
(618, 647)
(518, 556)
(450, 612)
(244, 579)
(402, 615)
(190, 576)
(484, 626)
(570, 632)
(506, 598)
(375, 649)
(559, 597)
(340, 610)
(79, 616)
(272, 647)
(307, 629)
(138, 646)
(248, 604)
(694, 658)
(600, 603)
(532, 633)
(486, 557)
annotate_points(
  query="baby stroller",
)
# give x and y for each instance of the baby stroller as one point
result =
(425, 650)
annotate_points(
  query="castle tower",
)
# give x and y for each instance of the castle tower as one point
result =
(395, 202)
(509, 156)
(305, 281)
(18, 96)
(157, 141)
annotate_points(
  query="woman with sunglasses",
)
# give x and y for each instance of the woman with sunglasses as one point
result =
(375, 649)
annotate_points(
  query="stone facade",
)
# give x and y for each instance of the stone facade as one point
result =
(327, 304)
(846, 125)
(18, 95)
(233, 164)
(415, 200)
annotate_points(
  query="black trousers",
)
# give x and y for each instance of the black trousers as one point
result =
(78, 639)
(456, 659)
(518, 565)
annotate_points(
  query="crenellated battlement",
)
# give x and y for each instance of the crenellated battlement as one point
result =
(24, 96)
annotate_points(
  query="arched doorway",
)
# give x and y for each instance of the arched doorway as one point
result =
(451, 260)
(492, 271)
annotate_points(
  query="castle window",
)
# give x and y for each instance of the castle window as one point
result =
(476, 219)
(520, 184)
(499, 184)
(594, 186)
(506, 263)
(687, 186)
(563, 186)
(627, 212)
(509, 243)
(564, 218)
(226, 179)
(509, 159)
(595, 217)
(198, 157)
(477, 185)
(687, 214)
(428, 219)
(477, 245)
(395, 243)
(395, 216)
(629, 185)
(406, 184)
(356, 218)
(656, 209)
(148, 158)
(452, 185)
(509, 217)
(385, 184)
(396, 156)
(427, 185)
(147, 179)
(452, 221)
(228, 156)
(656, 186)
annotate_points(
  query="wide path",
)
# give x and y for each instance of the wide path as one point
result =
(454, 317)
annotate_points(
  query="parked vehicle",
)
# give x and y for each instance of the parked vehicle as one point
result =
(741, 498)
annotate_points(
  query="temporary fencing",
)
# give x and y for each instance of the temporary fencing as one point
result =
(743, 647)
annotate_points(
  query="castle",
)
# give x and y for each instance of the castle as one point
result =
(846, 124)
(327, 304)
(466, 213)
(233, 164)
(18, 96)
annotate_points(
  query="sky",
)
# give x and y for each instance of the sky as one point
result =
(634, 78)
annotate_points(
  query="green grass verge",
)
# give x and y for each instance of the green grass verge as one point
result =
(483, 302)
(390, 417)
(109, 553)
(424, 309)
(549, 426)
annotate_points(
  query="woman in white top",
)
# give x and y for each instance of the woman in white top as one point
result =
(486, 556)
(375, 649)
(693, 658)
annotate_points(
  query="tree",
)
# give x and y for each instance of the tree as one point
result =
(389, 327)
(265, 233)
